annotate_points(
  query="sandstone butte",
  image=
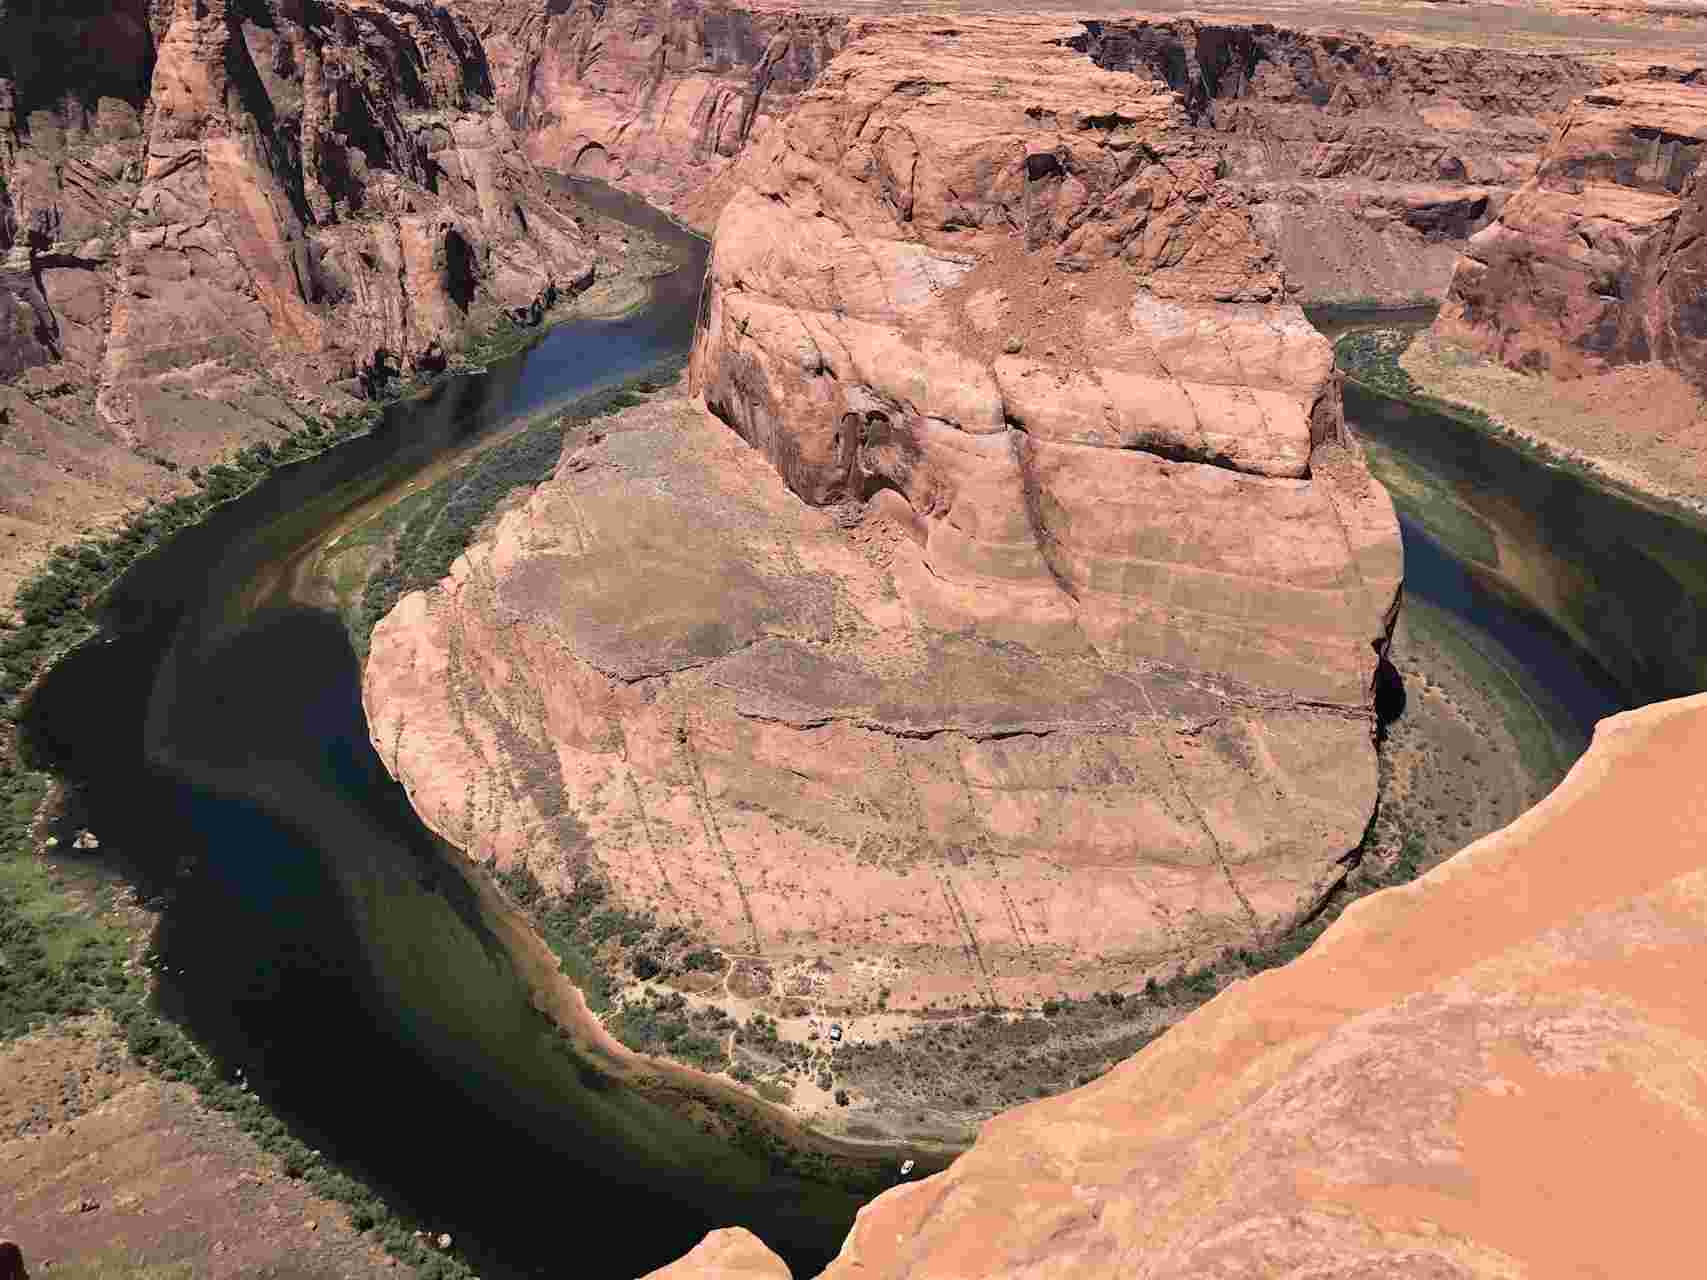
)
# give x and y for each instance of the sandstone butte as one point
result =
(1496, 1071)
(1600, 259)
(1008, 625)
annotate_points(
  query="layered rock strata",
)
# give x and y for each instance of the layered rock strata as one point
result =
(1494, 1071)
(1601, 259)
(214, 210)
(1372, 155)
(1021, 641)
(1370, 158)
(658, 96)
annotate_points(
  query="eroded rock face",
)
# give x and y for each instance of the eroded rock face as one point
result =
(960, 673)
(315, 193)
(1010, 292)
(1416, 1096)
(337, 192)
(1369, 159)
(656, 95)
(215, 214)
(1601, 259)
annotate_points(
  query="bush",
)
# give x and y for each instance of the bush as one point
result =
(704, 959)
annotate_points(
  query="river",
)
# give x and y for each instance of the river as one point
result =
(1590, 600)
(316, 935)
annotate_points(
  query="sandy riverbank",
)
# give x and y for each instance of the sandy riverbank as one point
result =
(1641, 427)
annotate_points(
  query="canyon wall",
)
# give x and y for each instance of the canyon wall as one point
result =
(1021, 635)
(1601, 259)
(1494, 1071)
(215, 212)
(1370, 158)
(656, 95)
(1371, 155)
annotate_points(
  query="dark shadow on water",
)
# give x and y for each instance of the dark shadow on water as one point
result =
(1591, 603)
(1389, 695)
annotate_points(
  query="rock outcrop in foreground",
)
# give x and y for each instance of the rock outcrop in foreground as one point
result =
(1601, 259)
(1023, 638)
(1496, 1071)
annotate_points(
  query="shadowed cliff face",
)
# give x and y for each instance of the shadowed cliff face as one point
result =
(325, 185)
(1491, 1072)
(345, 188)
(1371, 159)
(655, 95)
(1601, 259)
(216, 212)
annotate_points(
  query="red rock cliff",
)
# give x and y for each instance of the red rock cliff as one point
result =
(657, 95)
(1601, 259)
(325, 185)
(214, 209)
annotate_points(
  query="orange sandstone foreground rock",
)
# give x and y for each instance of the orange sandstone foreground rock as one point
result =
(1495, 1071)
(731, 1254)
(1021, 641)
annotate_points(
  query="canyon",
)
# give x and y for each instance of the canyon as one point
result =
(996, 614)
(219, 218)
